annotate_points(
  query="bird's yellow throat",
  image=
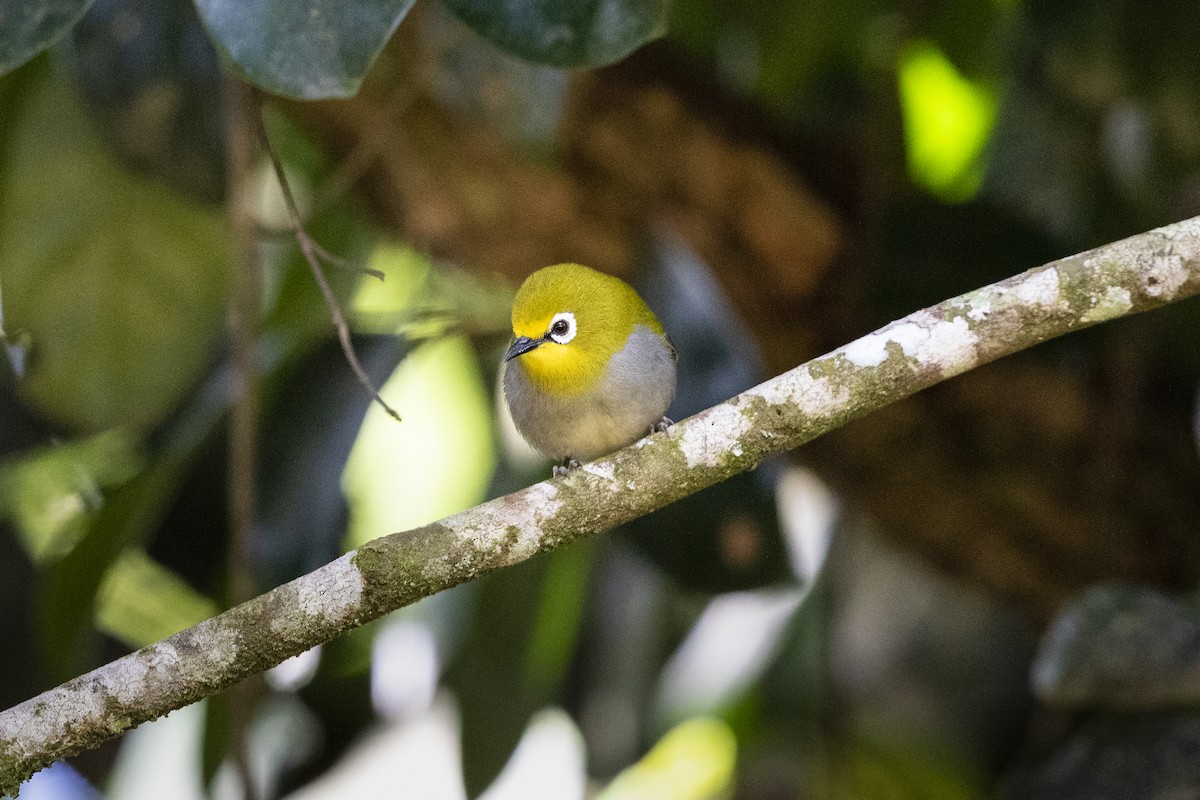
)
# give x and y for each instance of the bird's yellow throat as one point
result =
(562, 370)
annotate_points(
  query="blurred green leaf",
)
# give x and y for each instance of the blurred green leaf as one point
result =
(52, 493)
(898, 769)
(488, 677)
(118, 282)
(15, 89)
(311, 50)
(141, 601)
(129, 516)
(948, 120)
(566, 33)
(556, 628)
(753, 47)
(27, 27)
(976, 35)
(694, 761)
(68, 589)
(436, 462)
(831, 33)
(515, 658)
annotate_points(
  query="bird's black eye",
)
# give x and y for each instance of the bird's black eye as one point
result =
(562, 327)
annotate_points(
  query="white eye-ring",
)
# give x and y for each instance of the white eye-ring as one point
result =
(562, 327)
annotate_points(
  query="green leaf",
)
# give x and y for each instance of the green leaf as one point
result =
(694, 761)
(154, 96)
(948, 120)
(27, 27)
(67, 592)
(566, 33)
(309, 50)
(117, 281)
(52, 493)
(516, 655)
(141, 601)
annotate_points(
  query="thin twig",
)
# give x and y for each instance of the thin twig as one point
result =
(312, 253)
(268, 234)
(343, 263)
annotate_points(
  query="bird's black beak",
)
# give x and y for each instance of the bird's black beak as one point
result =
(522, 345)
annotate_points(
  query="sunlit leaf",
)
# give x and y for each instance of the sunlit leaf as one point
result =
(437, 461)
(419, 302)
(566, 33)
(947, 122)
(548, 763)
(308, 50)
(141, 601)
(694, 761)
(27, 27)
(726, 651)
(118, 282)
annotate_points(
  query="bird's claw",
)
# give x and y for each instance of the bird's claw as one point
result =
(567, 465)
(661, 425)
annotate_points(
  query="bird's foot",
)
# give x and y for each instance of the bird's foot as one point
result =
(661, 425)
(567, 465)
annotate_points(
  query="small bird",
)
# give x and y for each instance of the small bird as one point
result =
(590, 370)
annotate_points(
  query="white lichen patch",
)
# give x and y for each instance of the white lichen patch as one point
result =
(820, 396)
(1185, 242)
(87, 700)
(1115, 302)
(1040, 288)
(221, 642)
(948, 345)
(951, 347)
(708, 437)
(812, 395)
(601, 469)
(979, 304)
(78, 703)
(489, 526)
(1165, 274)
(333, 592)
(872, 350)
(125, 679)
(1187, 229)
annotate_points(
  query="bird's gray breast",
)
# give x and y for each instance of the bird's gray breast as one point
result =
(631, 396)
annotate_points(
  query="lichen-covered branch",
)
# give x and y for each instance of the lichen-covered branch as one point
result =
(908, 355)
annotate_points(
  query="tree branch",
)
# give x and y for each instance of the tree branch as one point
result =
(904, 357)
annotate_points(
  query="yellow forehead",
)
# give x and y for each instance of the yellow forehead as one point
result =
(533, 327)
(606, 301)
